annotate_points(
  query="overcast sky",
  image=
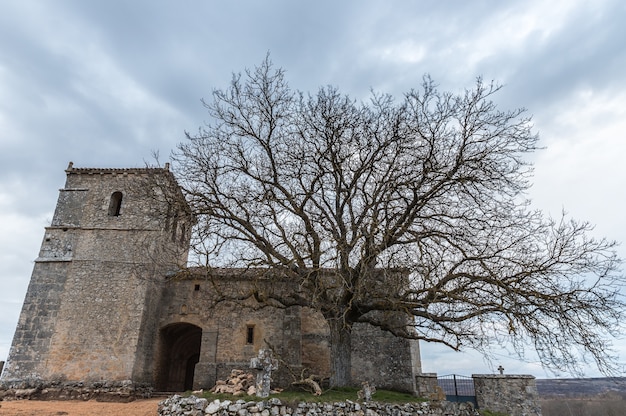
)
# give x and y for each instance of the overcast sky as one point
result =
(106, 83)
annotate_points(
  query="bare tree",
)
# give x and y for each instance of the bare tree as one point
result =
(414, 207)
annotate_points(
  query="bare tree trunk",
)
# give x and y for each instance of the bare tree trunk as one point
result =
(340, 353)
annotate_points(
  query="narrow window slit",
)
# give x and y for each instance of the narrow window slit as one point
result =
(115, 205)
(250, 334)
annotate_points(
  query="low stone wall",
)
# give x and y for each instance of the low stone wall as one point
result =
(110, 391)
(193, 406)
(426, 386)
(515, 395)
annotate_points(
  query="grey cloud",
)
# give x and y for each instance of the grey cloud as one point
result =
(104, 83)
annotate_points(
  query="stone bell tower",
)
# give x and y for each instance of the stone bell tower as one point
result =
(89, 313)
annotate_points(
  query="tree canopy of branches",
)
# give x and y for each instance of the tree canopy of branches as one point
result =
(415, 206)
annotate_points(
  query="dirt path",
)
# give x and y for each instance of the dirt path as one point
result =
(78, 408)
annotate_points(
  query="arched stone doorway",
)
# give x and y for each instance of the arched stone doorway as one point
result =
(179, 352)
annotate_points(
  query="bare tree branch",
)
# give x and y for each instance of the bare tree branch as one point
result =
(409, 215)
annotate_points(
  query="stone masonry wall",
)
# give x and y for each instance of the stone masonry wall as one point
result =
(87, 315)
(383, 359)
(426, 385)
(104, 391)
(515, 395)
(108, 302)
(300, 335)
(224, 326)
(193, 406)
(37, 321)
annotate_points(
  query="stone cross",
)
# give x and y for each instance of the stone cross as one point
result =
(265, 364)
(366, 391)
(501, 369)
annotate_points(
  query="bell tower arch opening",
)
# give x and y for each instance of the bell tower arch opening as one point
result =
(115, 204)
(179, 352)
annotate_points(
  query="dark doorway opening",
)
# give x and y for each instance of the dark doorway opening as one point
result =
(189, 372)
(179, 352)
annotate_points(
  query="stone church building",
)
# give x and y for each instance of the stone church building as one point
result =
(108, 302)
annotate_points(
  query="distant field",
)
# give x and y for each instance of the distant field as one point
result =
(579, 387)
(583, 397)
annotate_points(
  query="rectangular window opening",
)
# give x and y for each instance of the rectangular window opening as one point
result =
(250, 334)
(196, 287)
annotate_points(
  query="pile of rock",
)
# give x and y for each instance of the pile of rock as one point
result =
(112, 391)
(178, 405)
(192, 406)
(237, 384)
